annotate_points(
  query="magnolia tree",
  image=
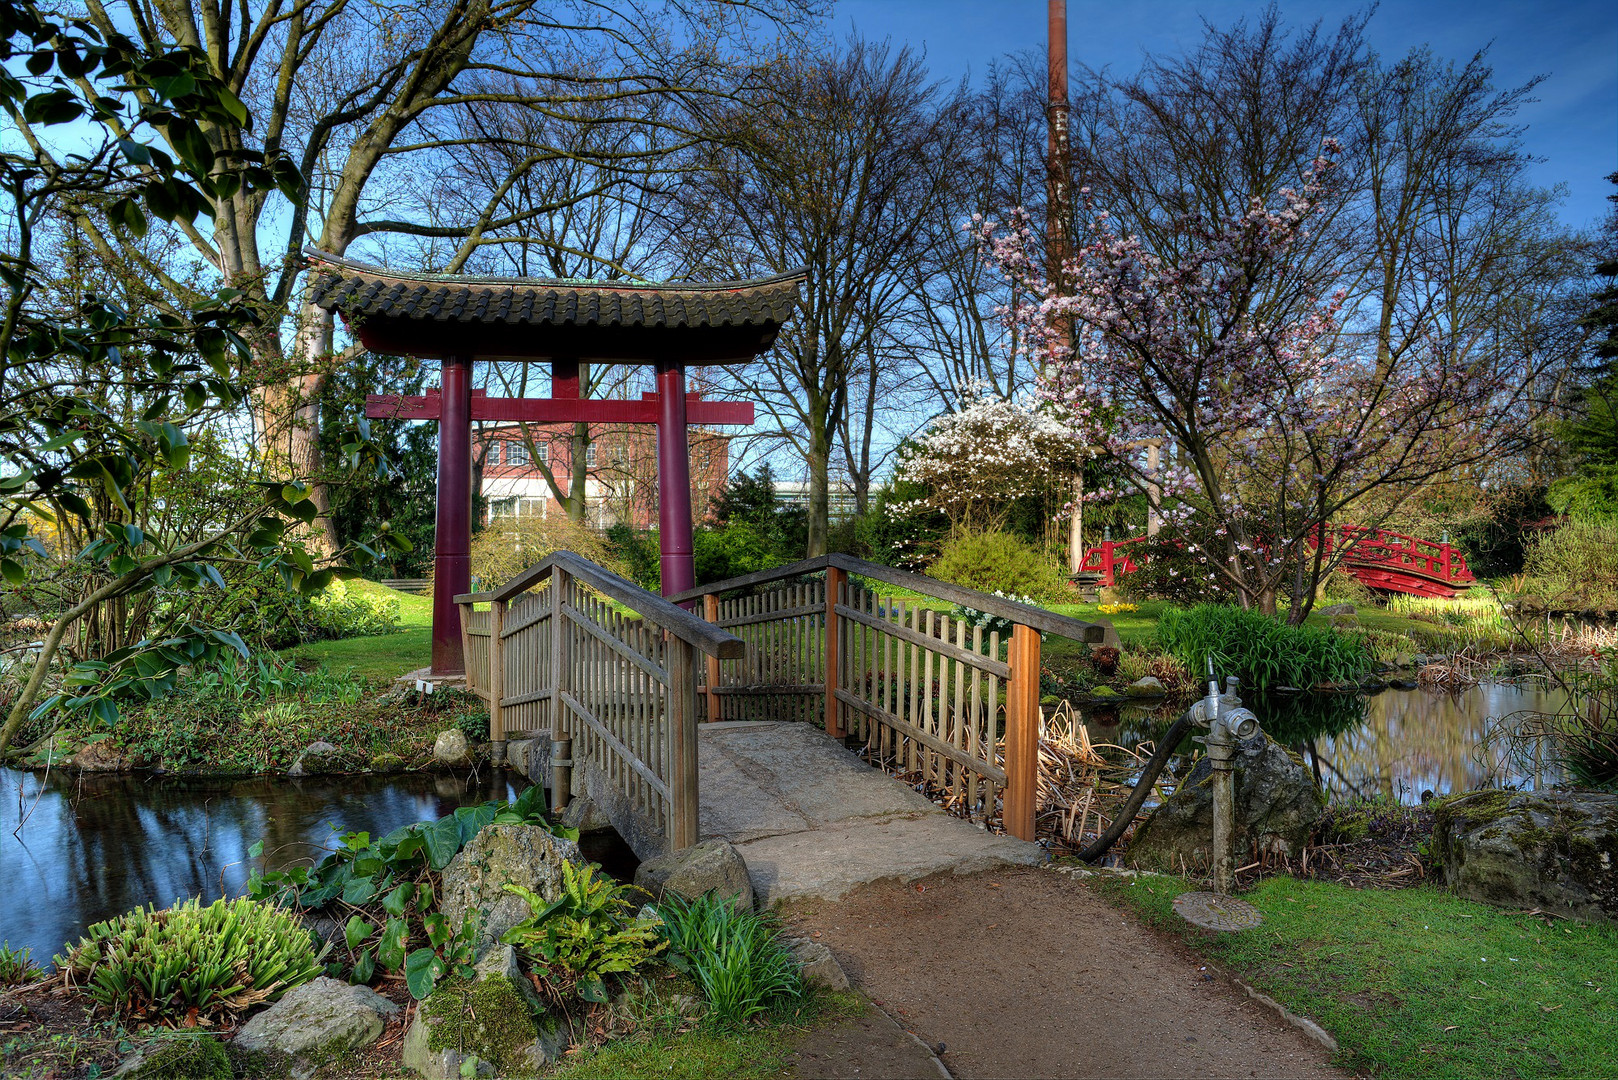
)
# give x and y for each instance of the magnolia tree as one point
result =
(990, 451)
(1272, 425)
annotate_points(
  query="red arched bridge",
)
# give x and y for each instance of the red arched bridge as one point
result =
(1377, 558)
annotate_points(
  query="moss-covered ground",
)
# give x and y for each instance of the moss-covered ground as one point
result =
(1417, 982)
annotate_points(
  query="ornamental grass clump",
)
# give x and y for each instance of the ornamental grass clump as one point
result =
(736, 956)
(190, 964)
(16, 966)
(1261, 651)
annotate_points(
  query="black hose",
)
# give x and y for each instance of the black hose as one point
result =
(1159, 761)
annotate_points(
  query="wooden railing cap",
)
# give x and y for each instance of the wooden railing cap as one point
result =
(703, 635)
(1038, 618)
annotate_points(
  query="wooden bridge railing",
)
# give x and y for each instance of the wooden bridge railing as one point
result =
(937, 696)
(550, 652)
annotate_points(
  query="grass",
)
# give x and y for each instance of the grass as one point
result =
(758, 1050)
(1417, 982)
(384, 657)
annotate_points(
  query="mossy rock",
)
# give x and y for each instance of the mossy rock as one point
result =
(1105, 692)
(187, 1057)
(1554, 850)
(387, 763)
(487, 1020)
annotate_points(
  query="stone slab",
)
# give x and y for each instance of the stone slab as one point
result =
(828, 863)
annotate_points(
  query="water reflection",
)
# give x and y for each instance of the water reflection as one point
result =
(1396, 743)
(91, 847)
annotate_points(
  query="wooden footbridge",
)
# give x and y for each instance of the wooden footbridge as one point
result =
(621, 681)
(1377, 558)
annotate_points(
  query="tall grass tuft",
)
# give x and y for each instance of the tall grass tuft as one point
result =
(189, 963)
(736, 956)
(1263, 652)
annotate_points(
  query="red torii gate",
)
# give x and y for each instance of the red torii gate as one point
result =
(460, 318)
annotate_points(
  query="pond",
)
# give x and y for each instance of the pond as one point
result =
(78, 849)
(1395, 743)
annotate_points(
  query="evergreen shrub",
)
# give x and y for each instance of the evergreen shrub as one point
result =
(1000, 562)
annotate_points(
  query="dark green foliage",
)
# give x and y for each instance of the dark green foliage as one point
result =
(751, 531)
(399, 495)
(189, 961)
(637, 551)
(1000, 562)
(386, 890)
(267, 615)
(1592, 433)
(895, 533)
(588, 933)
(1496, 539)
(1261, 651)
(736, 956)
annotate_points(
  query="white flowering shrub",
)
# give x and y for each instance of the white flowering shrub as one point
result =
(975, 461)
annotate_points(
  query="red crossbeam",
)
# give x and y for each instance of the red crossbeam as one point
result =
(429, 406)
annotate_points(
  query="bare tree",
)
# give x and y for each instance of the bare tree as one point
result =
(834, 169)
(353, 94)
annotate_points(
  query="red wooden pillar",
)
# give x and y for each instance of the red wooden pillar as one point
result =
(673, 479)
(452, 536)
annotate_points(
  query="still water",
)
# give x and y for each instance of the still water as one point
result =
(1395, 743)
(78, 849)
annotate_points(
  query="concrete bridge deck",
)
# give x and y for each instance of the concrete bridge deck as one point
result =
(813, 820)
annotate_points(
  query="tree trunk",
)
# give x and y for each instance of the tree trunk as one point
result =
(819, 486)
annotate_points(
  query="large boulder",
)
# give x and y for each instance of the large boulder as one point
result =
(1145, 686)
(1277, 805)
(451, 748)
(585, 815)
(487, 1022)
(1555, 850)
(711, 866)
(475, 879)
(318, 1021)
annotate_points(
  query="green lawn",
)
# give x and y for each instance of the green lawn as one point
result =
(384, 657)
(1416, 982)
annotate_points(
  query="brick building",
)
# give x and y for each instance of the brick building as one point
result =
(620, 471)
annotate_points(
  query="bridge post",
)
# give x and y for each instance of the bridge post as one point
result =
(561, 669)
(710, 611)
(497, 683)
(1022, 733)
(835, 579)
(682, 728)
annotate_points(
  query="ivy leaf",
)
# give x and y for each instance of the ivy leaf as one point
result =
(357, 930)
(364, 968)
(394, 903)
(443, 840)
(391, 952)
(423, 969)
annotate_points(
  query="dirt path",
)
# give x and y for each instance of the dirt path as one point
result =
(1026, 973)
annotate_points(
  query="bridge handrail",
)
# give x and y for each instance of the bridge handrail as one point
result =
(648, 605)
(1012, 611)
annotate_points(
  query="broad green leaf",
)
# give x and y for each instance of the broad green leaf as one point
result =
(423, 969)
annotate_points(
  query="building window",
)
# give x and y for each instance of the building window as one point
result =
(516, 453)
(590, 457)
(618, 456)
(544, 449)
(499, 508)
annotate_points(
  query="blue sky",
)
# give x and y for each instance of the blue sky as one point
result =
(1573, 125)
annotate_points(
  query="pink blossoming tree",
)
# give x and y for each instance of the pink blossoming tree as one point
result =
(1274, 424)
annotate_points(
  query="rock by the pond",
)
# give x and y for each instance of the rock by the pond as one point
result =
(1146, 686)
(585, 815)
(489, 1018)
(1554, 850)
(191, 1057)
(820, 967)
(322, 1018)
(314, 758)
(1104, 691)
(1277, 805)
(475, 879)
(100, 755)
(711, 866)
(450, 748)
(1337, 609)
